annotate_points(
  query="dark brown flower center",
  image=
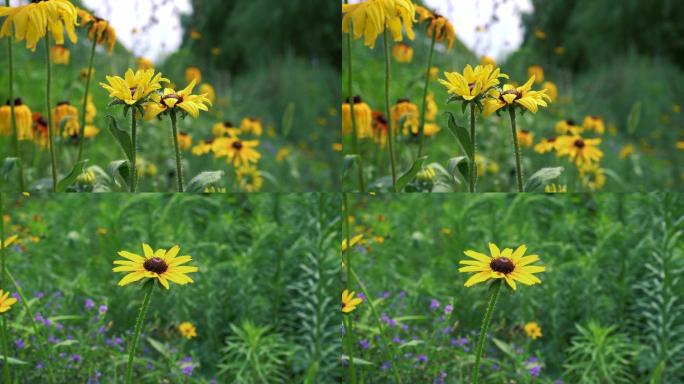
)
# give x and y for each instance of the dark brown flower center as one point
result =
(178, 98)
(579, 143)
(133, 90)
(237, 144)
(551, 139)
(228, 124)
(570, 122)
(502, 264)
(511, 92)
(63, 102)
(405, 100)
(156, 265)
(471, 86)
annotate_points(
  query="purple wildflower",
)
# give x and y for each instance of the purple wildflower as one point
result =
(19, 343)
(102, 310)
(534, 371)
(364, 344)
(76, 358)
(422, 358)
(434, 304)
(89, 304)
(448, 309)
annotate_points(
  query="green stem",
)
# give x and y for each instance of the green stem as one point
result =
(425, 93)
(5, 349)
(518, 167)
(174, 132)
(138, 329)
(349, 324)
(483, 330)
(390, 131)
(85, 99)
(473, 163)
(15, 132)
(350, 98)
(133, 166)
(51, 142)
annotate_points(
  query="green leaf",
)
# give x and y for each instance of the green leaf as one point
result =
(458, 165)
(122, 137)
(118, 171)
(203, 180)
(410, 174)
(462, 135)
(288, 119)
(7, 166)
(70, 178)
(505, 348)
(633, 118)
(348, 163)
(159, 347)
(13, 360)
(541, 178)
(358, 361)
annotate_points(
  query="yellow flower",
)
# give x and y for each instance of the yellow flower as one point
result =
(551, 90)
(98, 29)
(434, 73)
(431, 109)
(193, 73)
(533, 330)
(252, 126)
(627, 151)
(402, 53)
(539, 34)
(90, 131)
(224, 129)
(6, 302)
(680, 144)
(537, 72)
(426, 175)
(135, 86)
(87, 177)
(547, 144)
(216, 51)
(559, 50)
(161, 264)
(144, 63)
(405, 112)
(236, 151)
(91, 111)
(568, 127)
(22, 117)
(553, 188)
(349, 302)
(523, 96)
(443, 30)
(580, 151)
(525, 138)
(195, 35)
(337, 147)
(282, 154)
(594, 123)
(473, 82)
(59, 54)
(10, 240)
(487, 60)
(33, 20)
(362, 118)
(65, 117)
(370, 18)
(187, 330)
(183, 99)
(249, 178)
(353, 241)
(592, 176)
(184, 140)
(504, 264)
(209, 91)
(203, 147)
(485, 164)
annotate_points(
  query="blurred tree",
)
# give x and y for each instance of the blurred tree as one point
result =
(253, 31)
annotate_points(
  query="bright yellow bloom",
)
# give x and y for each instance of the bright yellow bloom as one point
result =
(533, 330)
(553, 188)
(144, 63)
(353, 241)
(236, 151)
(592, 176)
(504, 264)
(551, 90)
(252, 126)
(249, 178)
(65, 117)
(580, 151)
(193, 73)
(568, 127)
(546, 144)
(224, 129)
(209, 91)
(523, 96)
(402, 53)
(594, 123)
(161, 264)
(525, 138)
(203, 147)
(183, 99)
(135, 86)
(473, 82)
(59, 54)
(406, 113)
(6, 302)
(362, 118)
(349, 302)
(184, 140)
(33, 20)
(537, 72)
(90, 131)
(627, 151)
(22, 117)
(487, 60)
(187, 330)
(431, 109)
(370, 18)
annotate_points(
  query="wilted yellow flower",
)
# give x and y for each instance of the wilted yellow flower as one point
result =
(134, 86)
(144, 63)
(547, 144)
(183, 99)
(209, 91)
(553, 188)
(536, 71)
(362, 118)
(59, 54)
(252, 126)
(406, 113)
(580, 151)
(236, 151)
(22, 118)
(523, 96)
(32, 21)
(439, 25)
(594, 123)
(402, 53)
(187, 330)
(161, 265)
(533, 330)
(65, 117)
(473, 82)
(91, 111)
(370, 18)
(249, 178)
(98, 29)
(193, 73)
(551, 90)
(525, 138)
(184, 140)
(504, 264)
(349, 302)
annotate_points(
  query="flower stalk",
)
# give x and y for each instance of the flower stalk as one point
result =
(85, 99)
(483, 330)
(48, 96)
(133, 177)
(516, 146)
(425, 93)
(473, 164)
(355, 138)
(15, 132)
(348, 323)
(5, 349)
(390, 130)
(174, 133)
(138, 328)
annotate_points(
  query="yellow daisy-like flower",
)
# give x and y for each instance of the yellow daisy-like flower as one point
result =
(203, 147)
(33, 20)
(537, 72)
(431, 108)
(193, 73)
(523, 96)
(224, 128)
(237, 152)
(592, 176)
(134, 86)
(504, 264)
(547, 144)
(161, 264)
(405, 110)
(533, 330)
(402, 53)
(473, 82)
(187, 330)
(551, 90)
(6, 302)
(580, 151)
(184, 140)
(525, 138)
(22, 117)
(59, 54)
(183, 99)
(362, 118)
(349, 302)
(594, 123)
(370, 18)
(249, 178)
(250, 125)
(568, 127)
(65, 115)
(439, 25)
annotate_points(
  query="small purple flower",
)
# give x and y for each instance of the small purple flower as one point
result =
(16, 296)
(364, 344)
(434, 304)
(534, 371)
(76, 358)
(532, 360)
(422, 358)
(102, 310)
(102, 329)
(19, 343)
(559, 381)
(404, 327)
(397, 340)
(495, 367)
(446, 330)
(59, 326)
(39, 295)
(361, 296)
(402, 294)
(448, 309)
(186, 359)
(40, 365)
(385, 366)
(89, 304)
(385, 295)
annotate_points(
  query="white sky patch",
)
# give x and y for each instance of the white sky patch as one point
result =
(501, 38)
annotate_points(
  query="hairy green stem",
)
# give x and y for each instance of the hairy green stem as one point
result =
(138, 328)
(473, 164)
(15, 131)
(483, 330)
(85, 99)
(5, 349)
(350, 98)
(390, 130)
(425, 93)
(516, 146)
(349, 322)
(51, 141)
(133, 177)
(176, 147)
